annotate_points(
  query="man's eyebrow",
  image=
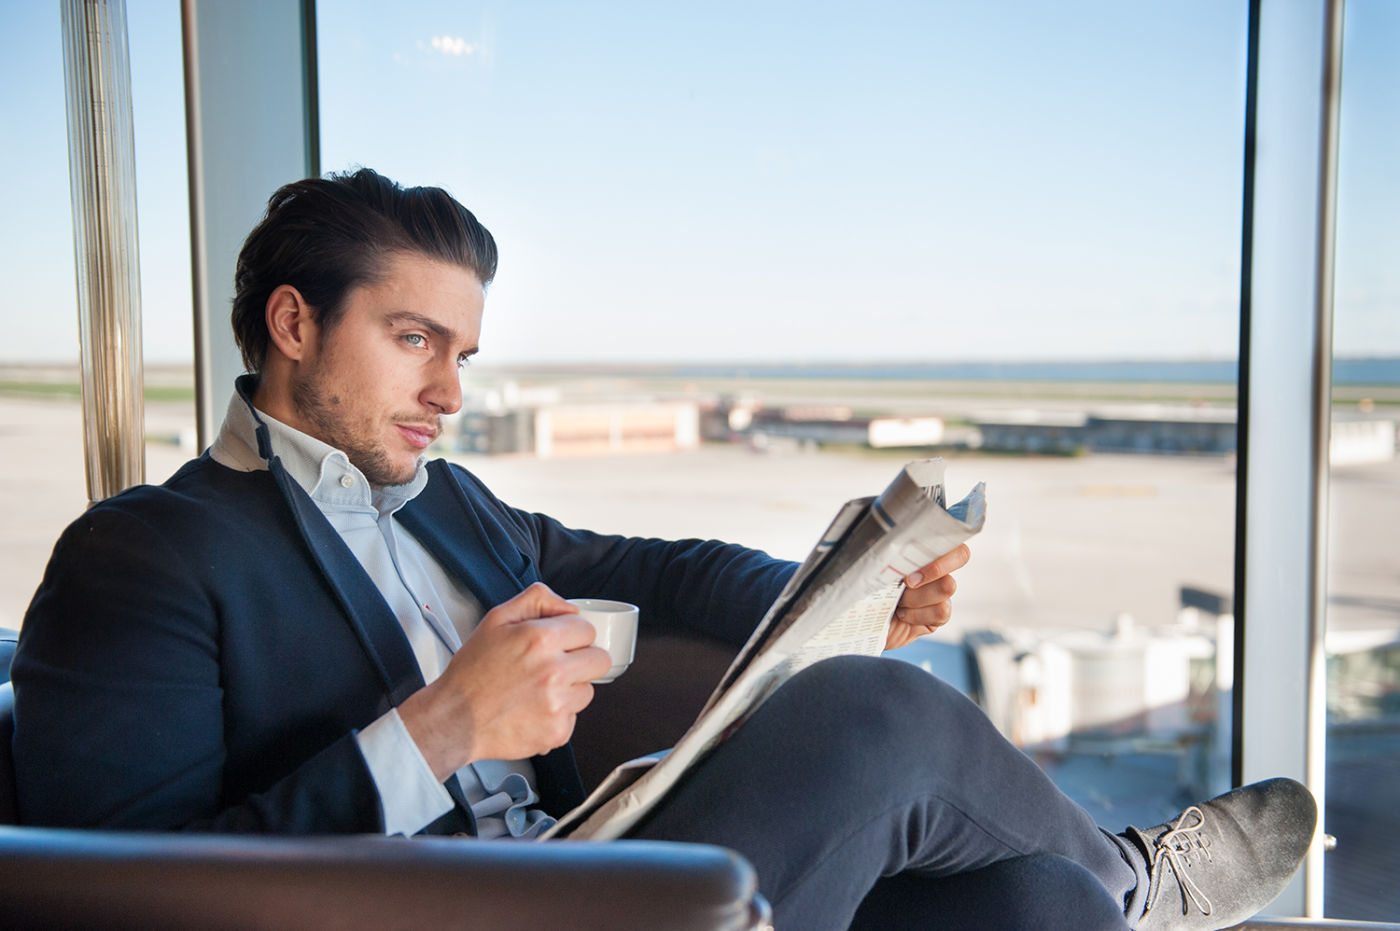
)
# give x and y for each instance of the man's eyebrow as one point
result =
(446, 334)
(400, 317)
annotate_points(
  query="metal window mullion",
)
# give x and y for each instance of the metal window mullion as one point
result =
(1316, 673)
(102, 176)
(1286, 361)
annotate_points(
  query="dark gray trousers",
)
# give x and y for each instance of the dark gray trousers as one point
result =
(868, 791)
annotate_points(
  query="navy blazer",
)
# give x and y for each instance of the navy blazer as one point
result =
(200, 654)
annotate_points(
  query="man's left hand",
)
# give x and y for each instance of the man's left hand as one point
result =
(927, 601)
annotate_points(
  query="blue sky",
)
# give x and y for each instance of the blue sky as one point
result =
(789, 181)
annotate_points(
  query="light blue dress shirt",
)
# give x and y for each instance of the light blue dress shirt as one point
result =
(435, 612)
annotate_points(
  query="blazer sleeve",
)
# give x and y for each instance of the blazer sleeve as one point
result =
(119, 701)
(720, 590)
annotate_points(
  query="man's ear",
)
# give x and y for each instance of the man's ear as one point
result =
(291, 323)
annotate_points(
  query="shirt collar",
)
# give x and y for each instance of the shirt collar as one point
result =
(324, 472)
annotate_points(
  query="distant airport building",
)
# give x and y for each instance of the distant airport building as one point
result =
(1149, 429)
(874, 432)
(557, 430)
(1163, 430)
(611, 429)
(893, 432)
(1152, 429)
(815, 425)
(1356, 442)
(490, 433)
(725, 419)
(1035, 432)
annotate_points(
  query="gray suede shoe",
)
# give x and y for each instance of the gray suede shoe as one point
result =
(1221, 861)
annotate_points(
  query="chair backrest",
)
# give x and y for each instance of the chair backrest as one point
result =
(670, 678)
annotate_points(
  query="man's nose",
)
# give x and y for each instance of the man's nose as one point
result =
(445, 390)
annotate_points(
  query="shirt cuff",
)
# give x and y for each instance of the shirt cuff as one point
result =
(410, 797)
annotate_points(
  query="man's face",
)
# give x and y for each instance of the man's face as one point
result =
(377, 383)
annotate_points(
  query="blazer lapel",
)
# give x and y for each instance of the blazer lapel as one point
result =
(444, 521)
(364, 607)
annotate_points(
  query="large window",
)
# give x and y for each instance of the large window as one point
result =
(1013, 228)
(753, 258)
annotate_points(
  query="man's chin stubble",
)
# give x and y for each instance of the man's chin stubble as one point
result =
(377, 469)
(372, 461)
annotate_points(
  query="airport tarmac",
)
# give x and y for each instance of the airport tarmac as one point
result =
(1069, 542)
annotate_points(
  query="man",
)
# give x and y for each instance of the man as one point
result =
(310, 629)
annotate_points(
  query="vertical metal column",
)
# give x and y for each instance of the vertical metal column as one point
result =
(102, 176)
(250, 113)
(1289, 234)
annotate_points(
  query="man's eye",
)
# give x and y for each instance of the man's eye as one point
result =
(463, 362)
(416, 339)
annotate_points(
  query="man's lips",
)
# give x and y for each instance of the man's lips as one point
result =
(418, 435)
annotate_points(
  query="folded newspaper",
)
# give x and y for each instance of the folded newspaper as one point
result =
(839, 601)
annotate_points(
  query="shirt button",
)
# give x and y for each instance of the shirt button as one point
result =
(347, 482)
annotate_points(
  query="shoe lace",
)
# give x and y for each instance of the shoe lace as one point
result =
(1165, 853)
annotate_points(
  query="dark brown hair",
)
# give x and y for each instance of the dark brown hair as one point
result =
(324, 236)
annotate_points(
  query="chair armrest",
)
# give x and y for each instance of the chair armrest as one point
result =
(93, 879)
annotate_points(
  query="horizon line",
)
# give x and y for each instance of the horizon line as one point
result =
(838, 363)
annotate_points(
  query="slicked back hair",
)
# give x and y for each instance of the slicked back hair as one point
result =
(324, 236)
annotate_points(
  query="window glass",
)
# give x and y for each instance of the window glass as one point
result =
(41, 451)
(1363, 589)
(163, 213)
(42, 483)
(754, 258)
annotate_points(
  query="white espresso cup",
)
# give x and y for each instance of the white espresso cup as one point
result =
(616, 624)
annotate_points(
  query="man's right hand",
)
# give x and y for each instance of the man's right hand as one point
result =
(515, 688)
